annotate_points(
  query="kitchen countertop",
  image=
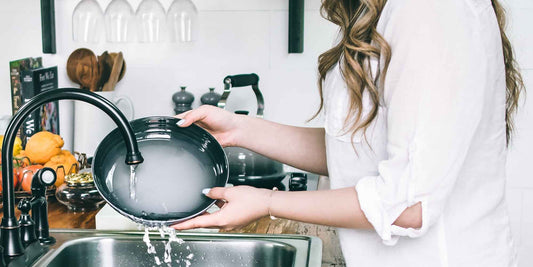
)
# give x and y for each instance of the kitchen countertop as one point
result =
(60, 217)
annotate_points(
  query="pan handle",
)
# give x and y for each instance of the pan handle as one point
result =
(242, 80)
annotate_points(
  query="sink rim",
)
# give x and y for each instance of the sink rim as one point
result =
(308, 248)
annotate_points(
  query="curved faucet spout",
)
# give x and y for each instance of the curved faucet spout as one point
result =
(10, 233)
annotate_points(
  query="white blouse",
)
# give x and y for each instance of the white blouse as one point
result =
(439, 139)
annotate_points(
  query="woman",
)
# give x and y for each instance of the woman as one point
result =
(418, 97)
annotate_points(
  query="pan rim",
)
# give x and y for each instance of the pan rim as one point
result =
(162, 121)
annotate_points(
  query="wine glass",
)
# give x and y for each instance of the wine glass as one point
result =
(182, 20)
(87, 22)
(150, 17)
(119, 21)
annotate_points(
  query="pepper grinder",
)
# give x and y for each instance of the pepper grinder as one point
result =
(210, 98)
(182, 100)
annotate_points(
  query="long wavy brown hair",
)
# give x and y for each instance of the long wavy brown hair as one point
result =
(360, 42)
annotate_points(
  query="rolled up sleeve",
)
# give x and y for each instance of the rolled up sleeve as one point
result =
(434, 96)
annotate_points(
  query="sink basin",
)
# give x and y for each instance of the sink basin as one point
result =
(103, 248)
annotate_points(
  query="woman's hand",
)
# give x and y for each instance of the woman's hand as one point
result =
(222, 124)
(239, 206)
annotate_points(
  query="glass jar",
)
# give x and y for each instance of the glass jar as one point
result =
(79, 193)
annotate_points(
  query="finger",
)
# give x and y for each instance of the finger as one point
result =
(203, 221)
(192, 116)
(215, 192)
(182, 115)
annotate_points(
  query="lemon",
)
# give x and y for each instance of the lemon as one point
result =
(17, 146)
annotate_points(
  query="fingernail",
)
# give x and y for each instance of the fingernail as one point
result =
(181, 122)
(205, 191)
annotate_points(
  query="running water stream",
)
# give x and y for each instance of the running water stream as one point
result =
(133, 182)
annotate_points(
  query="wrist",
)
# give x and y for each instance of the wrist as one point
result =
(240, 130)
(266, 200)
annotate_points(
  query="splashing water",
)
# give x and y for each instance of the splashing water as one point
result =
(150, 247)
(163, 232)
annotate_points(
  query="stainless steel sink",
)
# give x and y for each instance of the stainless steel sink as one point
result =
(104, 248)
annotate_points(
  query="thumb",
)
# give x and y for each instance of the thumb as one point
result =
(202, 221)
(215, 192)
(182, 115)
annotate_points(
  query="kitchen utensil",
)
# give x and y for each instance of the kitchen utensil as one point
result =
(182, 18)
(182, 100)
(151, 21)
(118, 62)
(91, 125)
(119, 21)
(83, 68)
(245, 166)
(123, 70)
(210, 98)
(105, 62)
(179, 163)
(87, 22)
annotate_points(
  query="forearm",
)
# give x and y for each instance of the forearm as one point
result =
(338, 208)
(241, 205)
(300, 147)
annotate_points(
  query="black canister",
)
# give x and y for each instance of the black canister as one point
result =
(210, 98)
(182, 100)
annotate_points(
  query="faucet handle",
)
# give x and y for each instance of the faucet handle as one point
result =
(27, 225)
(24, 206)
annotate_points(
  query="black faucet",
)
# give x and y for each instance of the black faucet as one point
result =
(10, 229)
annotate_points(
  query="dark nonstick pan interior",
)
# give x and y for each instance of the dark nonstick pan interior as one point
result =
(179, 163)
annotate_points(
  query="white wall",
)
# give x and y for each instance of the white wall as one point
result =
(236, 37)
(242, 36)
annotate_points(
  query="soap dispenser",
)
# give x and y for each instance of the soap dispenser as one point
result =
(210, 98)
(182, 100)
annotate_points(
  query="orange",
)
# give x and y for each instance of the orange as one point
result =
(42, 146)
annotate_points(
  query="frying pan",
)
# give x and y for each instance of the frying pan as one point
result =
(179, 163)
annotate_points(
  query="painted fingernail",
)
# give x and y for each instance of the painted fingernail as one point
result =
(181, 122)
(205, 191)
